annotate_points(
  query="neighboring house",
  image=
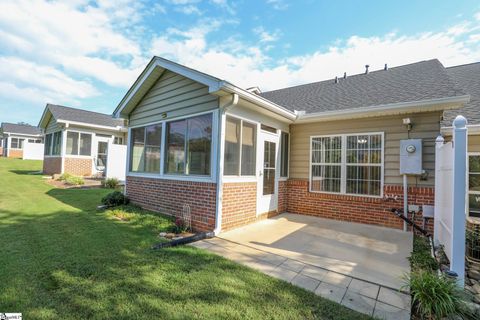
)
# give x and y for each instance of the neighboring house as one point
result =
(77, 141)
(16, 135)
(467, 77)
(1, 145)
(328, 149)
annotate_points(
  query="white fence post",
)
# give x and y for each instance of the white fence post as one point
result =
(457, 263)
(438, 185)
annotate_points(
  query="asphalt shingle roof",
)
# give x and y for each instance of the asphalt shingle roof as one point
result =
(413, 82)
(79, 115)
(466, 77)
(20, 128)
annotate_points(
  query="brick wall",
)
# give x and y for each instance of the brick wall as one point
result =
(239, 205)
(78, 166)
(282, 196)
(169, 196)
(354, 208)
(52, 165)
(1, 151)
(13, 153)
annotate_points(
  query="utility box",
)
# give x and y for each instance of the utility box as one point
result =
(411, 156)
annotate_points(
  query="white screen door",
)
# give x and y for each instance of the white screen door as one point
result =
(267, 187)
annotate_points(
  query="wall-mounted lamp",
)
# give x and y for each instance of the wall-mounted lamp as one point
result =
(408, 123)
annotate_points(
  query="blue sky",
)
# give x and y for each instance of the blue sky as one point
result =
(86, 54)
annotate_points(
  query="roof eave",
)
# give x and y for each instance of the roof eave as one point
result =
(256, 99)
(90, 125)
(438, 104)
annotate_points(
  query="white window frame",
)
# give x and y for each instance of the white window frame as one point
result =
(469, 154)
(240, 177)
(18, 143)
(344, 164)
(180, 177)
(79, 155)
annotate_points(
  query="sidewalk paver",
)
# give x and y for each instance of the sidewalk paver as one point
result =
(359, 295)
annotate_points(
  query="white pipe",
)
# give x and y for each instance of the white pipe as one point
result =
(405, 201)
(221, 147)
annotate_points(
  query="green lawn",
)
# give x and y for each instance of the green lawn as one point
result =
(61, 259)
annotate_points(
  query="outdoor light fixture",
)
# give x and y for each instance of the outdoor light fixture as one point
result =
(408, 123)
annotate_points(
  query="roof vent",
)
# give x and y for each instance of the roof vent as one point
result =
(336, 79)
(386, 67)
(366, 68)
(344, 75)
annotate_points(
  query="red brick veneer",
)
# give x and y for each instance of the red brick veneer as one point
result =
(367, 210)
(52, 165)
(15, 153)
(78, 166)
(239, 205)
(169, 196)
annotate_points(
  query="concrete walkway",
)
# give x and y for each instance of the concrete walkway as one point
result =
(356, 265)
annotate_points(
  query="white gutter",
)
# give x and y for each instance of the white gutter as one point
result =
(386, 109)
(23, 134)
(220, 162)
(256, 99)
(472, 129)
(83, 124)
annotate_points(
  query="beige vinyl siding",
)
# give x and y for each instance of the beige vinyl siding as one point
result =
(425, 126)
(174, 95)
(473, 143)
(52, 126)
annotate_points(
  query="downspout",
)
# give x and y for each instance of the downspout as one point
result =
(220, 158)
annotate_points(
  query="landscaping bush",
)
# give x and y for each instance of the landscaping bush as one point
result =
(436, 297)
(421, 257)
(111, 183)
(74, 181)
(115, 198)
(64, 176)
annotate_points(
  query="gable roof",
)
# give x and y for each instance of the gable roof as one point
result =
(421, 81)
(78, 116)
(467, 77)
(22, 129)
(158, 65)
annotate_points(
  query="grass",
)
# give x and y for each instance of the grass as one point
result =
(61, 259)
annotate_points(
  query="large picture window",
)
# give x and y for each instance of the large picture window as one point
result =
(350, 164)
(79, 143)
(145, 149)
(474, 185)
(56, 143)
(188, 146)
(240, 147)
(48, 144)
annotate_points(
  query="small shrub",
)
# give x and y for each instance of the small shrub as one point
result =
(74, 181)
(180, 225)
(115, 198)
(64, 176)
(111, 183)
(436, 297)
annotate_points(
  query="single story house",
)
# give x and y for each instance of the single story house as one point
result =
(330, 149)
(77, 141)
(14, 137)
(467, 77)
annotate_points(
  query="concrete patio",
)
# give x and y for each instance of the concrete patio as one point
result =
(359, 266)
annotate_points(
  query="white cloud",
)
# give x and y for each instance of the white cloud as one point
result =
(278, 4)
(249, 65)
(51, 84)
(189, 9)
(61, 34)
(265, 36)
